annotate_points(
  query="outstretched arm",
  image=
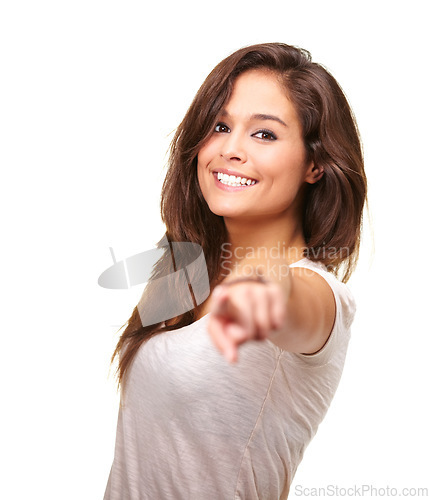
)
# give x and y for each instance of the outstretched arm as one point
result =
(295, 312)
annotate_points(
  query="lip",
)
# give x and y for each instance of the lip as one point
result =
(225, 187)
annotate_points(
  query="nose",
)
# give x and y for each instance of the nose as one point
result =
(233, 148)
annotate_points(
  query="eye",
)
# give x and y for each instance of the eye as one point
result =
(222, 128)
(265, 135)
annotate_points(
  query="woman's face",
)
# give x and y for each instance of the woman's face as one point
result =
(255, 163)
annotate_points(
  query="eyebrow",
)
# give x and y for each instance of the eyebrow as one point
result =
(259, 116)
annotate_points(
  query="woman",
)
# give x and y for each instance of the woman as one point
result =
(266, 174)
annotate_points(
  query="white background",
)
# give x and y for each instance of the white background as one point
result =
(90, 92)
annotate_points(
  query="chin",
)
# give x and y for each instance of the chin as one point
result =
(229, 212)
(222, 211)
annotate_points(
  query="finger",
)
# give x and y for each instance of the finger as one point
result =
(234, 306)
(218, 300)
(237, 333)
(261, 311)
(244, 316)
(226, 345)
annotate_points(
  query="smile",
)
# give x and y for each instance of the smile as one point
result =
(235, 181)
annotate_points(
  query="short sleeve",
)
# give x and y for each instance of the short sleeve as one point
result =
(345, 309)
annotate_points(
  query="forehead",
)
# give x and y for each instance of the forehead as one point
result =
(260, 91)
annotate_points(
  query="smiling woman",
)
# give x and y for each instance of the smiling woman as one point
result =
(221, 401)
(275, 160)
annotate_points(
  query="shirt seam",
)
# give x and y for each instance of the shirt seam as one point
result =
(258, 419)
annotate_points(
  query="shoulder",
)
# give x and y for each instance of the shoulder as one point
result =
(344, 299)
(329, 289)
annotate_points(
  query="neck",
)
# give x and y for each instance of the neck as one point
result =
(257, 238)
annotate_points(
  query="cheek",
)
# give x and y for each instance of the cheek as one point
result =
(206, 153)
(205, 157)
(201, 167)
(199, 174)
(284, 164)
(202, 174)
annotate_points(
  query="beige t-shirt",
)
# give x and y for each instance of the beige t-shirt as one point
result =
(191, 426)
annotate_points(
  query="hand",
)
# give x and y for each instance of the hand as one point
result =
(245, 309)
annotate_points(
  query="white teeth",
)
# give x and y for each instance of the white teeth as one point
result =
(232, 180)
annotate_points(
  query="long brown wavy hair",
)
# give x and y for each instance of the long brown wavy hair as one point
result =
(332, 216)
